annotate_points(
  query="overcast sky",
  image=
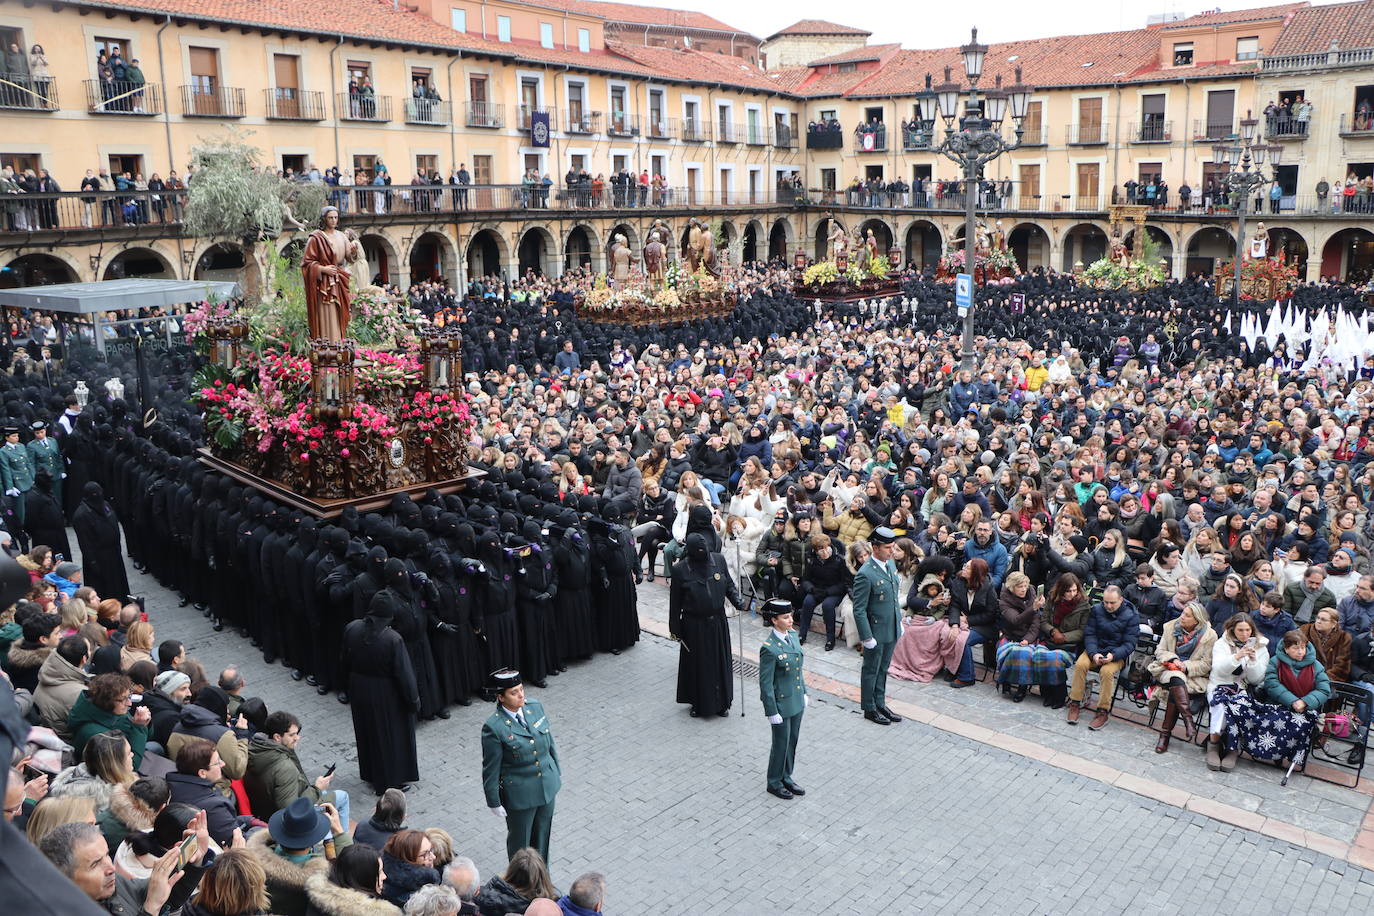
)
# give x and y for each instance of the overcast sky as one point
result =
(936, 25)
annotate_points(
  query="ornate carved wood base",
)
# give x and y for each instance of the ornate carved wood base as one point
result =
(324, 507)
(844, 291)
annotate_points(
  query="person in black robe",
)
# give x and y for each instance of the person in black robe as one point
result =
(296, 637)
(78, 453)
(43, 518)
(97, 534)
(413, 620)
(700, 586)
(372, 580)
(615, 570)
(537, 586)
(324, 622)
(446, 640)
(494, 614)
(227, 596)
(376, 668)
(337, 592)
(574, 621)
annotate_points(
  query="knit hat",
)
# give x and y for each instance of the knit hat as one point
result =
(65, 570)
(169, 681)
(1079, 542)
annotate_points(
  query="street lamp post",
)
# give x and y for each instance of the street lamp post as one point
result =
(977, 142)
(1243, 182)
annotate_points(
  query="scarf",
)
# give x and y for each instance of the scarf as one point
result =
(1062, 609)
(1309, 600)
(1298, 681)
(1185, 643)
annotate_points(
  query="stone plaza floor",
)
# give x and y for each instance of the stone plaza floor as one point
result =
(973, 802)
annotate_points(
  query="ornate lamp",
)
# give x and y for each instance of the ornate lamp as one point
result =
(83, 394)
(894, 256)
(973, 54)
(842, 261)
(440, 350)
(947, 93)
(799, 260)
(331, 378)
(226, 336)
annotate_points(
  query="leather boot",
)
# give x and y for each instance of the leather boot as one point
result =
(1178, 695)
(1170, 717)
(1214, 753)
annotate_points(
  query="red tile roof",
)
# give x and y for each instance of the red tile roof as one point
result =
(1218, 17)
(854, 55)
(817, 27)
(696, 67)
(643, 15)
(1350, 25)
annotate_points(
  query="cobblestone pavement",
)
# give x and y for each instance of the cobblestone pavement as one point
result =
(905, 819)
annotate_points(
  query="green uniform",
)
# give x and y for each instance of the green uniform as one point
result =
(877, 617)
(783, 691)
(520, 773)
(45, 454)
(16, 473)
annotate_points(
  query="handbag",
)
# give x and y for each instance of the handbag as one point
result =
(1337, 725)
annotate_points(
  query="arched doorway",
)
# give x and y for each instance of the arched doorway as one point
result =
(484, 255)
(291, 252)
(1164, 246)
(779, 240)
(1084, 244)
(1030, 245)
(1290, 244)
(1349, 255)
(631, 239)
(823, 233)
(1207, 248)
(224, 261)
(749, 247)
(431, 258)
(36, 270)
(138, 262)
(726, 238)
(535, 252)
(922, 245)
(578, 250)
(882, 234)
(381, 259)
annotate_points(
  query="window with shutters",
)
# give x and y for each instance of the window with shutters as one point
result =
(503, 28)
(286, 91)
(1247, 48)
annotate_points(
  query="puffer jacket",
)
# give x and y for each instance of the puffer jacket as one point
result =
(1277, 692)
(826, 578)
(796, 553)
(624, 483)
(1104, 574)
(759, 448)
(274, 777)
(325, 898)
(87, 720)
(1112, 633)
(59, 684)
(497, 898)
(847, 526)
(79, 782)
(199, 722)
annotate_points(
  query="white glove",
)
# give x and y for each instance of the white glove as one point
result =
(499, 811)
(775, 719)
(870, 643)
(12, 491)
(806, 700)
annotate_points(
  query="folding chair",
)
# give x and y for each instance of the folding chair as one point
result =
(1135, 676)
(1338, 743)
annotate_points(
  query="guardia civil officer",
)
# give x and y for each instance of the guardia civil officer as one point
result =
(878, 620)
(783, 690)
(520, 772)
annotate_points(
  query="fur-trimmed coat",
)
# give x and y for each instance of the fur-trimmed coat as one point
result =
(285, 879)
(328, 899)
(124, 816)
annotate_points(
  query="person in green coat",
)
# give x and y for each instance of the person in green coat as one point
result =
(16, 471)
(783, 690)
(104, 707)
(44, 453)
(520, 770)
(876, 615)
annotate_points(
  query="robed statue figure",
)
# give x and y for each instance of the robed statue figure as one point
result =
(325, 270)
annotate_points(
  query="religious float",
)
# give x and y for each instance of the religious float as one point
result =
(325, 396)
(1135, 268)
(854, 269)
(1262, 277)
(993, 261)
(658, 290)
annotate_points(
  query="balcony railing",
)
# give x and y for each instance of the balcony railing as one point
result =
(1033, 136)
(1214, 130)
(359, 107)
(755, 135)
(824, 138)
(918, 136)
(1091, 134)
(427, 111)
(1287, 128)
(294, 105)
(526, 116)
(1153, 131)
(997, 196)
(660, 128)
(695, 131)
(217, 102)
(784, 137)
(21, 92)
(1357, 125)
(73, 211)
(871, 138)
(583, 122)
(485, 114)
(121, 97)
(1317, 60)
(729, 133)
(620, 124)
